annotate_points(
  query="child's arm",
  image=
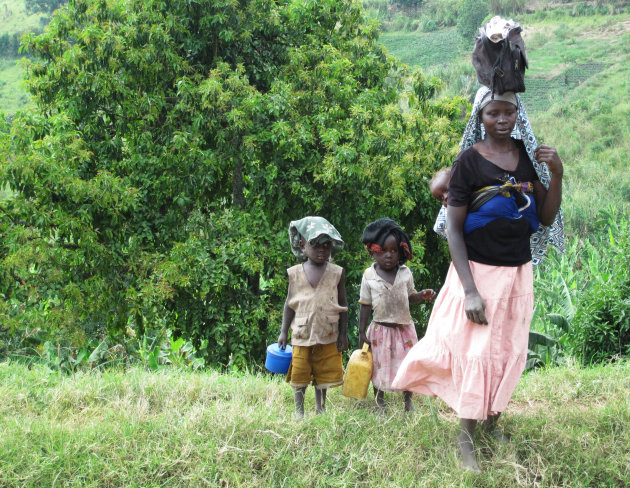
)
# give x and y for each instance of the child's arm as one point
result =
(287, 318)
(342, 339)
(364, 318)
(423, 295)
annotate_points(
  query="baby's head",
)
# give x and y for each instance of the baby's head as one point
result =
(439, 185)
(314, 237)
(376, 233)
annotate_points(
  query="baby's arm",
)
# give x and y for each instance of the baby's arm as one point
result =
(424, 295)
(287, 318)
(342, 339)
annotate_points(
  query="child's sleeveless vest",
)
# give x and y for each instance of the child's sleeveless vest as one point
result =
(317, 309)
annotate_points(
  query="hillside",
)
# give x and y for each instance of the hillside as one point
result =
(577, 93)
(14, 20)
(569, 427)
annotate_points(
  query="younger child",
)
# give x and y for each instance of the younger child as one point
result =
(316, 310)
(439, 189)
(387, 289)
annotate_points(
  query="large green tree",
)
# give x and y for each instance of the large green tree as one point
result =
(173, 141)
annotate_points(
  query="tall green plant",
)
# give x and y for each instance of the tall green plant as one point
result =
(582, 302)
(601, 327)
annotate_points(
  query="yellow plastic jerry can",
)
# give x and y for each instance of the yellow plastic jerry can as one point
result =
(358, 373)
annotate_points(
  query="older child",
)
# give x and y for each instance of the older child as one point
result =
(316, 310)
(387, 289)
(439, 189)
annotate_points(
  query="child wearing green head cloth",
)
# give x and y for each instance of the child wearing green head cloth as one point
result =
(316, 311)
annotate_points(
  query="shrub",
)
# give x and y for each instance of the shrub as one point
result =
(506, 7)
(444, 12)
(601, 326)
(470, 16)
(428, 25)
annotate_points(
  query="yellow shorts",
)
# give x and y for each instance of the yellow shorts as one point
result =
(320, 364)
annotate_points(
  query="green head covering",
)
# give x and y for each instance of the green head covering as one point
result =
(314, 230)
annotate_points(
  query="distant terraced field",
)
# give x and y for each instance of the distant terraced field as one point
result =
(562, 54)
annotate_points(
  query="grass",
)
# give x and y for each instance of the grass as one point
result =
(569, 426)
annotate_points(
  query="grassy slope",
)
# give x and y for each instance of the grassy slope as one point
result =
(12, 95)
(14, 18)
(570, 427)
(577, 97)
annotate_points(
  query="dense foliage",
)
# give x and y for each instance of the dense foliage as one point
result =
(171, 144)
(470, 16)
(601, 326)
(10, 45)
(46, 6)
(583, 297)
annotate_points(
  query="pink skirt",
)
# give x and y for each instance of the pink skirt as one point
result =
(389, 347)
(474, 368)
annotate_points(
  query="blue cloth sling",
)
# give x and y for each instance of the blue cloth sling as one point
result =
(509, 200)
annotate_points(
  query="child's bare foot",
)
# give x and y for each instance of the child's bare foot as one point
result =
(298, 396)
(409, 406)
(320, 401)
(380, 402)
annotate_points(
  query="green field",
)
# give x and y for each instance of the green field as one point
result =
(425, 49)
(569, 426)
(12, 94)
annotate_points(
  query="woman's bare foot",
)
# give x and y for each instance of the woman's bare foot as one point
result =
(465, 447)
(490, 426)
(500, 436)
(467, 456)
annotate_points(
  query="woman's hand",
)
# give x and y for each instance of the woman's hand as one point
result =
(549, 156)
(548, 201)
(475, 309)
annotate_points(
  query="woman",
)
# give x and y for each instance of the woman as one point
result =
(475, 348)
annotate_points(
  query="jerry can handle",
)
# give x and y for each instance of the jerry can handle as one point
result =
(365, 348)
